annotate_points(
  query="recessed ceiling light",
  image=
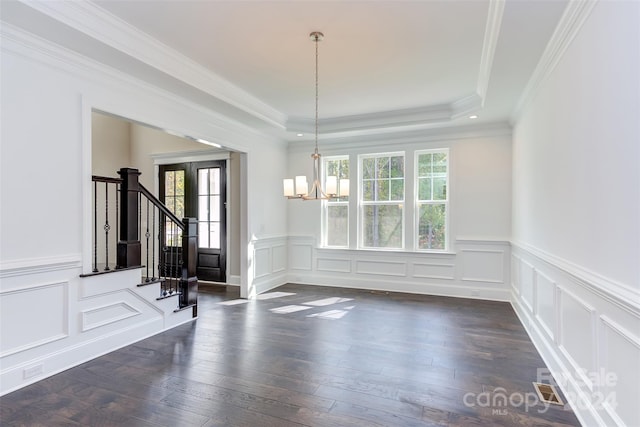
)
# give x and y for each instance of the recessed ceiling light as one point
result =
(300, 134)
(473, 117)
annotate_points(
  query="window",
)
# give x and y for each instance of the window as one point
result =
(431, 199)
(381, 201)
(336, 212)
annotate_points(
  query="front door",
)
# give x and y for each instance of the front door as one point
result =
(198, 190)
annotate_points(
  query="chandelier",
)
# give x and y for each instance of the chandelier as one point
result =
(299, 188)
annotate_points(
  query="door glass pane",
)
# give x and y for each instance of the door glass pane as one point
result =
(180, 183)
(214, 235)
(169, 183)
(214, 208)
(214, 180)
(203, 234)
(174, 192)
(203, 180)
(203, 208)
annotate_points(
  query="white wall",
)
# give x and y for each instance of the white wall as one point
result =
(110, 144)
(48, 95)
(576, 213)
(147, 141)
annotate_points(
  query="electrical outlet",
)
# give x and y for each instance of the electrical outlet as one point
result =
(32, 371)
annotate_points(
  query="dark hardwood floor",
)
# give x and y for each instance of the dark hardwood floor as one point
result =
(314, 356)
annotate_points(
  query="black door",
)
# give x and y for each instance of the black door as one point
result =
(198, 190)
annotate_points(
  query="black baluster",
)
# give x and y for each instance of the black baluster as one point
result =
(107, 227)
(165, 250)
(146, 235)
(153, 243)
(171, 258)
(95, 226)
(117, 220)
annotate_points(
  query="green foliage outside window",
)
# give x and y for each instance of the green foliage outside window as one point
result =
(432, 193)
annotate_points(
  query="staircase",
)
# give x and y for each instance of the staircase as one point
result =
(137, 237)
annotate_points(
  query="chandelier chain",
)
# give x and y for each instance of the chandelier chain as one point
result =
(317, 40)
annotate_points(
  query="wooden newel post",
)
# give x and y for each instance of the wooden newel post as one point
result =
(129, 249)
(188, 279)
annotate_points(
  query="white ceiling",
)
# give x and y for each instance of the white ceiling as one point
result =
(383, 64)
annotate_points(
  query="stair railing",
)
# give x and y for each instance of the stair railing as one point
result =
(147, 230)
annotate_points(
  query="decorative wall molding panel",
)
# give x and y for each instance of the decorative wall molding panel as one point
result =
(587, 332)
(270, 261)
(41, 309)
(106, 315)
(479, 269)
(66, 320)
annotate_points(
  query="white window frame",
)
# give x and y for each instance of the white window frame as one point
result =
(362, 203)
(327, 203)
(418, 203)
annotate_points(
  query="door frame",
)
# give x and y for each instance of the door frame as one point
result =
(198, 156)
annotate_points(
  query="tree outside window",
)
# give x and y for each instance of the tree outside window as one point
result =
(432, 199)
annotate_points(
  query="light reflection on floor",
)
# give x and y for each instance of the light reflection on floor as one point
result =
(289, 309)
(328, 301)
(234, 302)
(271, 295)
(330, 314)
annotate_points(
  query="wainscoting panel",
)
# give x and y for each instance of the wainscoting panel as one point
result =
(587, 329)
(516, 262)
(52, 319)
(301, 255)
(270, 262)
(545, 309)
(578, 348)
(381, 268)
(482, 265)
(262, 262)
(479, 269)
(106, 315)
(527, 280)
(40, 310)
(279, 258)
(334, 265)
(621, 349)
(426, 270)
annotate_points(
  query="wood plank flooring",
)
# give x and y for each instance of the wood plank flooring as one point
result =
(309, 356)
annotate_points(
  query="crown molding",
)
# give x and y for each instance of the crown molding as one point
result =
(382, 119)
(419, 116)
(101, 25)
(492, 31)
(348, 143)
(574, 16)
